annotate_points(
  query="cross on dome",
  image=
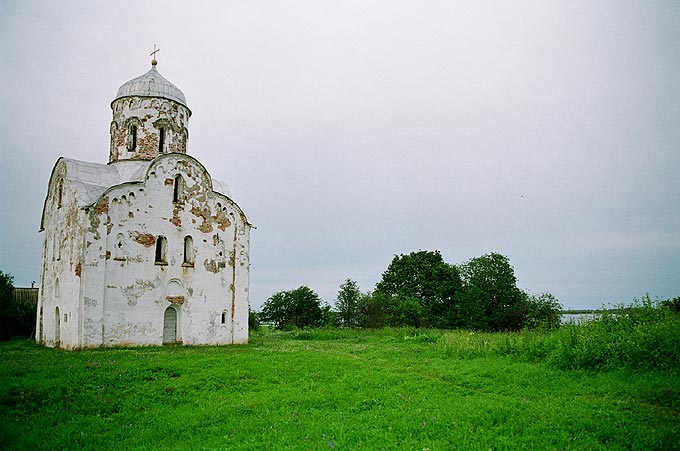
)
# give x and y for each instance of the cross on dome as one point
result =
(153, 55)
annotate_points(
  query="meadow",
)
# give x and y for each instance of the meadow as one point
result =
(614, 384)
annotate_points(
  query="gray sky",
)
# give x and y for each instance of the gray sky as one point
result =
(350, 131)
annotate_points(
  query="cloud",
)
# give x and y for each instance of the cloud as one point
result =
(352, 131)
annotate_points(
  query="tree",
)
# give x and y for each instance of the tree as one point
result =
(372, 311)
(7, 306)
(329, 318)
(490, 299)
(295, 308)
(347, 303)
(419, 289)
(544, 311)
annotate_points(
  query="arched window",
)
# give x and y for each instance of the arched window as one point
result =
(133, 132)
(60, 193)
(161, 139)
(161, 244)
(188, 251)
(177, 190)
(224, 317)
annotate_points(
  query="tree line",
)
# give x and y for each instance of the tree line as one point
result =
(420, 289)
(16, 319)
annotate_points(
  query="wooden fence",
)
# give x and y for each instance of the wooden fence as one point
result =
(26, 296)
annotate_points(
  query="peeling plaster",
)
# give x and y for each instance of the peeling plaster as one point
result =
(145, 239)
(211, 265)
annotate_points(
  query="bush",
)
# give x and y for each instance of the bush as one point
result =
(253, 321)
(642, 336)
(672, 304)
(543, 312)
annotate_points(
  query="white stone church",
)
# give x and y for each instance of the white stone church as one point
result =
(148, 249)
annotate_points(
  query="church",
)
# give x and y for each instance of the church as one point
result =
(148, 249)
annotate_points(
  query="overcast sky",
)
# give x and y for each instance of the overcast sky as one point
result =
(351, 131)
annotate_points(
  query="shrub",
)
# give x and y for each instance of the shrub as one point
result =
(253, 321)
(543, 312)
(642, 336)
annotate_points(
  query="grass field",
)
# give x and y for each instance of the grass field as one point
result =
(331, 389)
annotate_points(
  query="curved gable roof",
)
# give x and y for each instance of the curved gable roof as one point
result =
(91, 180)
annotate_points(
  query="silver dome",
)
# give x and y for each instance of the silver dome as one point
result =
(151, 84)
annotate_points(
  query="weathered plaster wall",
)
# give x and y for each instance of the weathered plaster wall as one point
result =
(127, 291)
(61, 265)
(149, 115)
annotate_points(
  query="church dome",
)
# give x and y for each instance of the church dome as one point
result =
(151, 84)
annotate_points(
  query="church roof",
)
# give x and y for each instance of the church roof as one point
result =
(151, 84)
(91, 180)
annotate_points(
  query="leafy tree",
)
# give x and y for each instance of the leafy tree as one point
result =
(490, 299)
(295, 308)
(329, 318)
(408, 311)
(419, 289)
(544, 311)
(472, 311)
(347, 303)
(7, 307)
(372, 311)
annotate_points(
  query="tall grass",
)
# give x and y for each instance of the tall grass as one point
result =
(643, 335)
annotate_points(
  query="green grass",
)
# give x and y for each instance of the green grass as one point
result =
(335, 389)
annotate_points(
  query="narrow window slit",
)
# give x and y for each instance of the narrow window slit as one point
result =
(134, 137)
(161, 139)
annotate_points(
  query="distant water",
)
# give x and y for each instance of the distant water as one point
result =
(578, 318)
